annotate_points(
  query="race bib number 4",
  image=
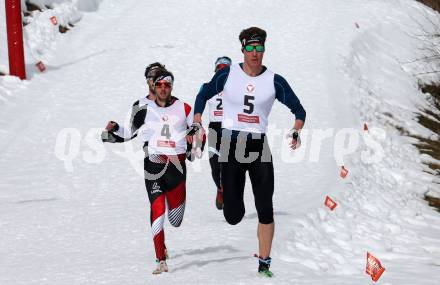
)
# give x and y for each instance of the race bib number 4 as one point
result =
(248, 119)
(165, 132)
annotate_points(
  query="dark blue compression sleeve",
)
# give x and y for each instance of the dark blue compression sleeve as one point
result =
(210, 89)
(285, 94)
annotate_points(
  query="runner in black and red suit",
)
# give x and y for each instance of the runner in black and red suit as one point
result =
(164, 125)
(214, 134)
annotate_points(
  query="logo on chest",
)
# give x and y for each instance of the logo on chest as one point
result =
(250, 88)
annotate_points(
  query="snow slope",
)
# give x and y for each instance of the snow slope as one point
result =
(85, 220)
(40, 35)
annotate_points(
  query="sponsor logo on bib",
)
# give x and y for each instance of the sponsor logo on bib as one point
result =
(171, 144)
(248, 119)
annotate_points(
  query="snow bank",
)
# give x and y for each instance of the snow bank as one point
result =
(41, 34)
(82, 5)
(383, 211)
(88, 5)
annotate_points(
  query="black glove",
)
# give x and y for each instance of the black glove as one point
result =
(296, 140)
(195, 127)
(195, 149)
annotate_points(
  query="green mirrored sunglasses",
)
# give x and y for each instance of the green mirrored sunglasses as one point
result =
(250, 48)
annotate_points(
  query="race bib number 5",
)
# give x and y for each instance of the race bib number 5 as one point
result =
(248, 109)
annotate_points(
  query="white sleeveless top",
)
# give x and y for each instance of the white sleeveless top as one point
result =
(165, 128)
(247, 100)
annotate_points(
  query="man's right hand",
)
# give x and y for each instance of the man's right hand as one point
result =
(112, 126)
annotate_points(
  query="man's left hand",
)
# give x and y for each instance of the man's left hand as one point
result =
(295, 142)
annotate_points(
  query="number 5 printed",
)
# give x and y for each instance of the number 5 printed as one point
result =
(248, 103)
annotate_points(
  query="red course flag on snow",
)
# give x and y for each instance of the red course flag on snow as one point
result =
(54, 21)
(41, 67)
(374, 268)
(330, 203)
(344, 172)
(365, 127)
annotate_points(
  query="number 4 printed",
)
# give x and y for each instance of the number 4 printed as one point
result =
(166, 131)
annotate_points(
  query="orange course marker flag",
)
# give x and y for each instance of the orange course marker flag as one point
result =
(54, 21)
(374, 268)
(344, 172)
(330, 203)
(41, 67)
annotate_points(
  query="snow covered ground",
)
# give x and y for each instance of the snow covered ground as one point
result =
(77, 213)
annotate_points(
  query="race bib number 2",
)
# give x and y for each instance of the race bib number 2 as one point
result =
(219, 109)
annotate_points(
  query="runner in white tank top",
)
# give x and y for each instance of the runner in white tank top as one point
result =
(249, 90)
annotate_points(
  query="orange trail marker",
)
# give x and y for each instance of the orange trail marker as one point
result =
(374, 268)
(330, 203)
(40, 65)
(344, 172)
(54, 21)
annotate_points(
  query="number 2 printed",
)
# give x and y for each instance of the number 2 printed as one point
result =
(220, 102)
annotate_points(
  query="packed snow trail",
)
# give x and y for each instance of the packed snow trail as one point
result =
(88, 223)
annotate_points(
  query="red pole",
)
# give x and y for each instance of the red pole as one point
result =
(15, 38)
